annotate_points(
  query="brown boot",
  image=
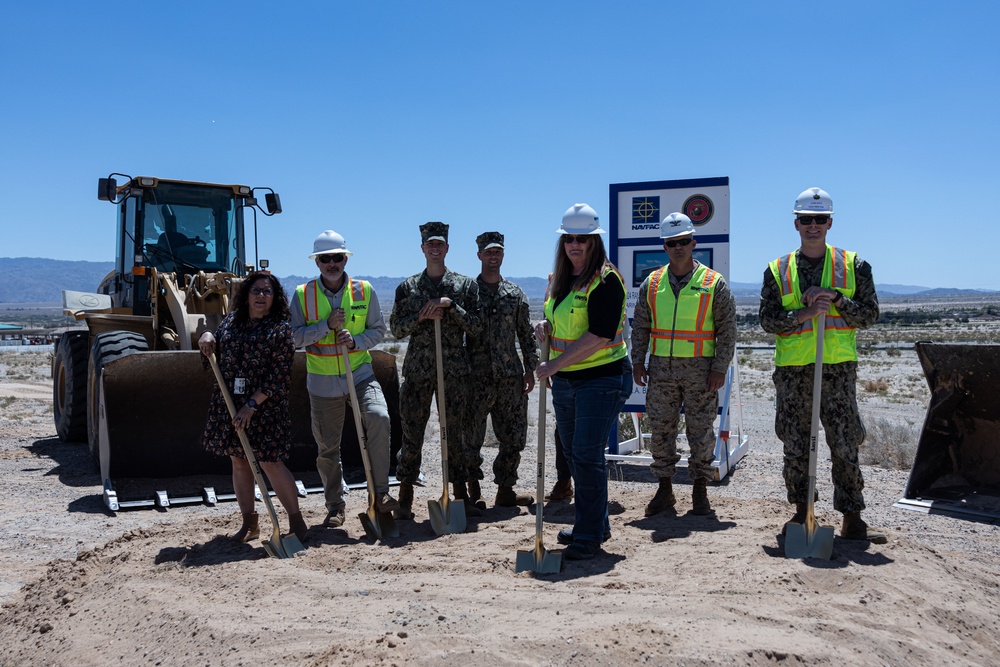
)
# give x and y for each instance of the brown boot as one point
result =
(297, 525)
(563, 490)
(250, 530)
(798, 517)
(664, 498)
(405, 510)
(462, 494)
(506, 497)
(855, 528)
(476, 494)
(699, 498)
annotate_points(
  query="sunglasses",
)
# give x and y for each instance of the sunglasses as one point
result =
(262, 291)
(813, 219)
(336, 258)
(673, 243)
(577, 238)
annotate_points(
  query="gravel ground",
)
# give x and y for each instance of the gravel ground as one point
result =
(82, 586)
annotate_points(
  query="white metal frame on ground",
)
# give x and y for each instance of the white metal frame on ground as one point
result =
(730, 446)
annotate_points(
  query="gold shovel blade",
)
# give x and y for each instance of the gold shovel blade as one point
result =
(445, 521)
(803, 543)
(378, 525)
(538, 560)
(285, 547)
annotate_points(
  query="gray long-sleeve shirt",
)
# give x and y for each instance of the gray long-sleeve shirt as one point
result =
(332, 386)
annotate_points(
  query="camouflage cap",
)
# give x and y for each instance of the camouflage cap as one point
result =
(488, 240)
(433, 231)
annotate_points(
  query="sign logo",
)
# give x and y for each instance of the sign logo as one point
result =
(645, 213)
(699, 208)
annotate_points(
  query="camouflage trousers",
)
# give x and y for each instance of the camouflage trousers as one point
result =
(672, 383)
(505, 403)
(415, 409)
(844, 431)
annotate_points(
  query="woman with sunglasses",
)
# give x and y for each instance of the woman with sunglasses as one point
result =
(254, 344)
(588, 368)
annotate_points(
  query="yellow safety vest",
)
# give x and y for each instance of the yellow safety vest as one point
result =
(682, 326)
(323, 357)
(798, 348)
(569, 321)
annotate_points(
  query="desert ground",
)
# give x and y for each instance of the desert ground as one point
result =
(82, 586)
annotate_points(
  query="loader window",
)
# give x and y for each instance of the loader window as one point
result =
(188, 227)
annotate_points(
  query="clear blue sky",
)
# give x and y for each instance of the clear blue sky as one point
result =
(373, 117)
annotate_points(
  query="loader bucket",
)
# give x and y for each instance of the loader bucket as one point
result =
(957, 465)
(155, 407)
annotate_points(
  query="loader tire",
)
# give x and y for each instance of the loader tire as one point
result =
(107, 347)
(69, 386)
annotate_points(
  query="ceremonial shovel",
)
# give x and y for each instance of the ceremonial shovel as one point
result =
(446, 517)
(378, 525)
(277, 546)
(538, 559)
(809, 540)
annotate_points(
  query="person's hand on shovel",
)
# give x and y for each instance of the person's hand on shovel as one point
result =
(434, 309)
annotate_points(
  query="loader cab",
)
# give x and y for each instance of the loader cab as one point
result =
(173, 226)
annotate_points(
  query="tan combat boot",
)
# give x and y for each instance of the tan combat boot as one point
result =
(699, 498)
(249, 529)
(297, 525)
(798, 517)
(664, 498)
(506, 497)
(563, 490)
(462, 494)
(476, 494)
(855, 528)
(405, 510)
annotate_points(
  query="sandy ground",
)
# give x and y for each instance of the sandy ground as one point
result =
(83, 587)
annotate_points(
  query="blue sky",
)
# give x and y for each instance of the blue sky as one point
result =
(371, 118)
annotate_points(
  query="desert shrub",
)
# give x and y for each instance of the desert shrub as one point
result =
(392, 349)
(872, 386)
(889, 444)
(892, 351)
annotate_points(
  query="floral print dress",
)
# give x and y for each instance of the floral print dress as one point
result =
(261, 352)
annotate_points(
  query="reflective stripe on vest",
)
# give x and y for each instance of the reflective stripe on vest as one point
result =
(798, 348)
(323, 357)
(682, 326)
(569, 321)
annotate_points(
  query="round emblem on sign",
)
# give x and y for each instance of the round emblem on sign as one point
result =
(699, 208)
(88, 301)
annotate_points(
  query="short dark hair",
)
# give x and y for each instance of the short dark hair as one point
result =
(279, 307)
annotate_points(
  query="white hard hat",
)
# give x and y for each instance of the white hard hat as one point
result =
(327, 242)
(676, 224)
(580, 219)
(813, 202)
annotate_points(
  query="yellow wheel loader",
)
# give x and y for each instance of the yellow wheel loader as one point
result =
(134, 385)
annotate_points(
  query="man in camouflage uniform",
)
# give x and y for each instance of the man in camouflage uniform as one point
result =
(686, 314)
(500, 384)
(798, 287)
(434, 294)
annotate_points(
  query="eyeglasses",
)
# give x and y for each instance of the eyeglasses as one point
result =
(673, 243)
(577, 238)
(262, 291)
(336, 258)
(813, 219)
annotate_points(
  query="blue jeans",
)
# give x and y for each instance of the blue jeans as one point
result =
(585, 412)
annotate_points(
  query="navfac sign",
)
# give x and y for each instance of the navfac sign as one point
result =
(636, 210)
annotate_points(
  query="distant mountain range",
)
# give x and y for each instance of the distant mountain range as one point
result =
(39, 280)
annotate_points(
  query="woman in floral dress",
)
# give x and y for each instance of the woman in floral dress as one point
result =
(255, 348)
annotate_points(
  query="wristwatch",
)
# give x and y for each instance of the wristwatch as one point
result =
(839, 299)
(252, 404)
